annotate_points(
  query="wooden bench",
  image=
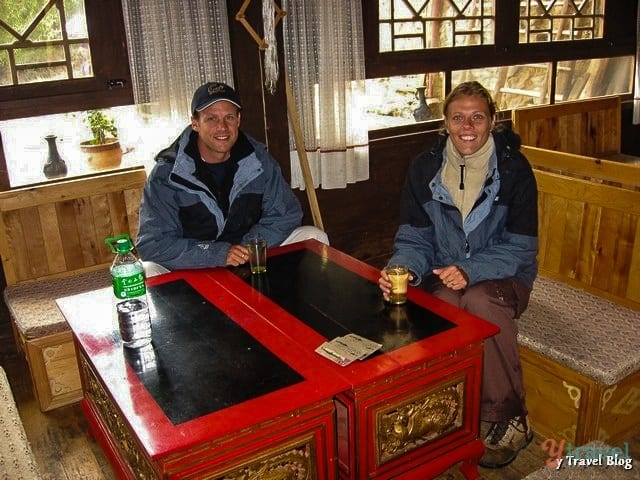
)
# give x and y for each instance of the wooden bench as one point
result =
(580, 138)
(52, 245)
(600, 170)
(579, 336)
(590, 127)
(16, 456)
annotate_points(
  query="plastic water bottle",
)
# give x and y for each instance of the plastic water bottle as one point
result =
(130, 292)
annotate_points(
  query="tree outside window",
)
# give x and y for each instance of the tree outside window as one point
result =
(43, 41)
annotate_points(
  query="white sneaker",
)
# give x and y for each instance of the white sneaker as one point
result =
(504, 440)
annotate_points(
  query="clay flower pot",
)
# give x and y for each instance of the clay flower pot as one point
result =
(104, 155)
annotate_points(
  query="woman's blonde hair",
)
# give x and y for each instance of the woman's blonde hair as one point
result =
(470, 89)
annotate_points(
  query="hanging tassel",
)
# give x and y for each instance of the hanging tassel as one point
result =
(271, 52)
(461, 177)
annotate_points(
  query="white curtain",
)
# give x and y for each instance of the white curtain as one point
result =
(636, 96)
(174, 47)
(324, 56)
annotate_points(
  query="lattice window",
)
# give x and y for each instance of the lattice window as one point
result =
(43, 40)
(424, 24)
(560, 20)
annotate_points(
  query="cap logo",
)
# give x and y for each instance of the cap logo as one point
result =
(216, 88)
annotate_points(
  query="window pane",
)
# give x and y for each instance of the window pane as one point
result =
(594, 78)
(49, 28)
(5, 37)
(42, 74)
(422, 24)
(513, 86)
(76, 19)
(547, 21)
(19, 15)
(403, 100)
(27, 56)
(81, 60)
(5, 72)
(36, 48)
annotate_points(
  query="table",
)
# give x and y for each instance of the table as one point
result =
(232, 386)
(413, 410)
(212, 398)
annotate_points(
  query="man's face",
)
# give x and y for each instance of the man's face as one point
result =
(217, 127)
(469, 123)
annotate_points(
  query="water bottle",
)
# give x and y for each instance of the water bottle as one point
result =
(130, 293)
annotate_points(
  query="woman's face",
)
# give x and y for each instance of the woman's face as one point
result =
(469, 123)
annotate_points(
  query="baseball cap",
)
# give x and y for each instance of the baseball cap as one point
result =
(212, 92)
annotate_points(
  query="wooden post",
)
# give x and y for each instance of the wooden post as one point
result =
(302, 155)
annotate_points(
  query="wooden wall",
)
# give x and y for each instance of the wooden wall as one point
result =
(362, 219)
(630, 132)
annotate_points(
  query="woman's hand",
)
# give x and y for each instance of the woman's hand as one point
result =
(385, 284)
(452, 277)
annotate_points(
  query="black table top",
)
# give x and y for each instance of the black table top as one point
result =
(200, 360)
(335, 301)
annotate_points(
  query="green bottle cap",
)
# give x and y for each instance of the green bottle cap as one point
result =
(124, 245)
(116, 247)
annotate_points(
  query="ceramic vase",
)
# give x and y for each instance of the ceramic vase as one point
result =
(54, 165)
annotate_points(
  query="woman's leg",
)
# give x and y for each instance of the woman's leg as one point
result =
(495, 301)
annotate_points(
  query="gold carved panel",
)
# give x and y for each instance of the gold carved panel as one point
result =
(296, 460)
(414, 422)
(129, 448)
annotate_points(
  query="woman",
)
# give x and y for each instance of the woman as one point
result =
(468, 232)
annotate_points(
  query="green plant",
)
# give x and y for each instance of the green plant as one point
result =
(101, 127)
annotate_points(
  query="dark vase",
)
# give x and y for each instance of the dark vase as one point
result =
(423, 112)
(54, 166)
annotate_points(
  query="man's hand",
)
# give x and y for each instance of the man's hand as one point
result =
(237, 255)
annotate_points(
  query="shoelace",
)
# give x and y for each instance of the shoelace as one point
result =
(498, 430)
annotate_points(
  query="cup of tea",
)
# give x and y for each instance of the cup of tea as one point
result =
(399, 278)
(257, 255)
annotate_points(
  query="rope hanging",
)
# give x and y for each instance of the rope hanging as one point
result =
(272, 14)
(271, 51)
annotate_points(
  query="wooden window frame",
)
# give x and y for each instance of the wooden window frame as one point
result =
(111, 82)
(619, 39)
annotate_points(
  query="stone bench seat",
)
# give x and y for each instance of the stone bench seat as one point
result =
(592, 472)
(587, 333)
(581, 362)
(32, 304)
(16, 457)
(45, 336)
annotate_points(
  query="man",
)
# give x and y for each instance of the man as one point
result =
(212, 190)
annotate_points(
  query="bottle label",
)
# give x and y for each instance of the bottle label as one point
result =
(129, 287)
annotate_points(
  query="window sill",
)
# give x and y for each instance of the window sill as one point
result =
(25, 149)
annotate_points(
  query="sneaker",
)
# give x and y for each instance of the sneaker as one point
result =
(484, 428)
(504, 440)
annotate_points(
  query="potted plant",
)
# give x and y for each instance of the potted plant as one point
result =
(103, 149)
